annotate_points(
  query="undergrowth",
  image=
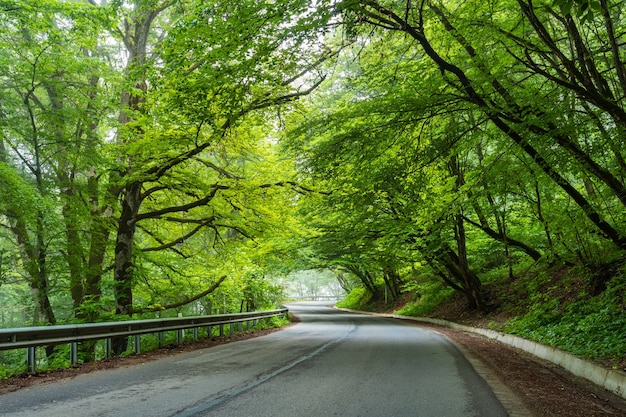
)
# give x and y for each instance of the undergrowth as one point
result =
(429, 296)
(358, 299)
(593, 327)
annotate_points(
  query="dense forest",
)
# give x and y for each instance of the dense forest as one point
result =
(160, 156)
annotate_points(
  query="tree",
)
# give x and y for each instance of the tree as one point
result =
(434, 127)
(49, 114)
(195, 136)
(504, 99)
(147, 161)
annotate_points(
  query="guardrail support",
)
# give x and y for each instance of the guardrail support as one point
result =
(195, 334)
(209, 331)
(73, 354)
(179, 337)
(30, 359)
(160, 338)
(137, 344)
(221, 330)
(108, 348)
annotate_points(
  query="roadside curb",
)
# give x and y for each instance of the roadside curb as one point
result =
(613, 381)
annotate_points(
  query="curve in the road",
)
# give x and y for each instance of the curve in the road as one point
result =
(331, 363)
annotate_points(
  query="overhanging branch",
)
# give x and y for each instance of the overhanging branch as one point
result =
(185, 301)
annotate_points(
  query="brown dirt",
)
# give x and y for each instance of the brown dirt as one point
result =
(544, 389)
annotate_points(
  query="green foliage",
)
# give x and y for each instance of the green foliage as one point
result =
(357, 299)
(584, 9)
(449, 151)
(588, 326)
(273, 323)
(429, 296)
(445, 139)
(59, 360)
(12, 362)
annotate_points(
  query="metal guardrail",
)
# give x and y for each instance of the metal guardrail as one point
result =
(33, 337)
(314, 298)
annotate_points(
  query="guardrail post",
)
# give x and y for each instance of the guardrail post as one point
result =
(73, 354)
(160, 338)
(137, 344)
(240, 326)
(221, 330)
(232, 328)
(209, 332)
(108, 348)
(30, 359)
(179, 336)
(195, 334)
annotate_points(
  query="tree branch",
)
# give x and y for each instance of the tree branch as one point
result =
(182, 208)
(184, 301)
(182, 238)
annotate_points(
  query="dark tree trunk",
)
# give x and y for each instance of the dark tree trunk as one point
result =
(123, 268)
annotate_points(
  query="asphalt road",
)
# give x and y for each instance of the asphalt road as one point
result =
(330, 364)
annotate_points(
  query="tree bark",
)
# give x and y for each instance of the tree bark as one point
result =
(123, 264)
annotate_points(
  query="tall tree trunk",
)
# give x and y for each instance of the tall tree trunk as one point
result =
(471, 282)
(74, 247)
(136, 33)
(392, 280)
(99, 232)
(123, 265)
(365, 278)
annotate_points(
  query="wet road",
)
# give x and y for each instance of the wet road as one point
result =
(331, 363)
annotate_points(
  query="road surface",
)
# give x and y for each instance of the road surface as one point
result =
(332, 363)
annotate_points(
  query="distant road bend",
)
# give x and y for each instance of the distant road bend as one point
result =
(331, 363)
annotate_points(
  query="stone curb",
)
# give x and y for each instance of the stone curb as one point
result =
(614, 381)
